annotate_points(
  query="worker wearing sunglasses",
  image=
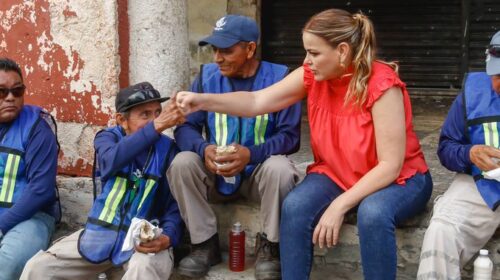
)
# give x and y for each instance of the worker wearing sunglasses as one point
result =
(28, 164)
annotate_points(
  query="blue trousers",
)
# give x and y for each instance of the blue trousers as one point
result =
(378, 215)
(22, 242)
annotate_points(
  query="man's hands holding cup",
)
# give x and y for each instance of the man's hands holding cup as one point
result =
(227, 164)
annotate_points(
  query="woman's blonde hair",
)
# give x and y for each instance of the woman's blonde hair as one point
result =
(337, 26)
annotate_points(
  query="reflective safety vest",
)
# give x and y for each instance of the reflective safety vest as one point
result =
(482, 110)
(225, 129)
(13, 142)
(124, 196)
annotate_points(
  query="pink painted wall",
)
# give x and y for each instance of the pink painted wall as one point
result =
(50, 69)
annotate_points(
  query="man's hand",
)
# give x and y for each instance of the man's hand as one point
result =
(169, 116)
(210, 158)
(233, 163)
(481, 156)
(154, 246)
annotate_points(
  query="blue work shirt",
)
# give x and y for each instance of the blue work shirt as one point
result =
(454, 147)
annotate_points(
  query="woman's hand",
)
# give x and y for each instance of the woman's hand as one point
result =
(188, 102)
(328, 228)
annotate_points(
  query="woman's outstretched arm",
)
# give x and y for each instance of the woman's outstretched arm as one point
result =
(247, 104)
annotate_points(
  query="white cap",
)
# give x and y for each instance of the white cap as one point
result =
(483, 252)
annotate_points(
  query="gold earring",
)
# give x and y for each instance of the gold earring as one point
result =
(342, 64)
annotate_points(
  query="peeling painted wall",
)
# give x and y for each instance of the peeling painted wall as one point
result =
(158, 44)
(68, 50)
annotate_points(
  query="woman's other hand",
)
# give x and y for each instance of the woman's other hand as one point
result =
(328, 228)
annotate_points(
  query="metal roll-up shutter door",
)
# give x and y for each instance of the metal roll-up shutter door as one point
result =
(484, 22)
(423, 36)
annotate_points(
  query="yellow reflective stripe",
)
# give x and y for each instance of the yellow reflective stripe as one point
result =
(494, 133)
(256, 129)
(486, 129)
(17, 160)
(220, 129)
(263, 128)
(224, 130)
(149, 185)
(491, 134)
(9, 178)
(114, 197)
(217, 129)
(5, 181)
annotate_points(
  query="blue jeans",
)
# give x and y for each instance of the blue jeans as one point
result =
(378, 215)
(22, 242)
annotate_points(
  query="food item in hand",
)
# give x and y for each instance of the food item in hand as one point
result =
(147, 234)
(225, 150)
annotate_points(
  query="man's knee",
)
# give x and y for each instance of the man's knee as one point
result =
(147, 265)
(438, 230)
(37, 266)
(184, 160)
(282, 169)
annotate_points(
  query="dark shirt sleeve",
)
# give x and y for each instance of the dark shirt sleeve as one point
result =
(113, 155)
(285, 139)
(189, 135)
(41, 169)
(454, 147)
(170, 217)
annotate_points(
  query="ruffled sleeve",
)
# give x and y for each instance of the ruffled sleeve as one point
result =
(382, 79)
(308, 77)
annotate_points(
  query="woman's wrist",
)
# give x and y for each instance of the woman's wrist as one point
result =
(342, 203)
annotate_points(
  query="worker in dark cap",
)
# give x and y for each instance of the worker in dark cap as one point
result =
(131, 159)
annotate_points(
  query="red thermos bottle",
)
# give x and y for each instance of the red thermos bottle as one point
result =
(237, 248)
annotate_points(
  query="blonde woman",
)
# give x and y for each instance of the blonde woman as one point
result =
(367, 157)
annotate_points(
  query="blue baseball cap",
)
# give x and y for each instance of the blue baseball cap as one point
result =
(493, 56)
(230, 30)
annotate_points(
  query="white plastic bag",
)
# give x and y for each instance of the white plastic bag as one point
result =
(133, 237)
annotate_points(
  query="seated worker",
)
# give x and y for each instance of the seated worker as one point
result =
(28, 167)
(467, 215)
(132, 158)
(259, 167)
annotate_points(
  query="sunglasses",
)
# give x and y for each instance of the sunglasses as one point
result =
(17, 91)
(493, 50)
(142, 95)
